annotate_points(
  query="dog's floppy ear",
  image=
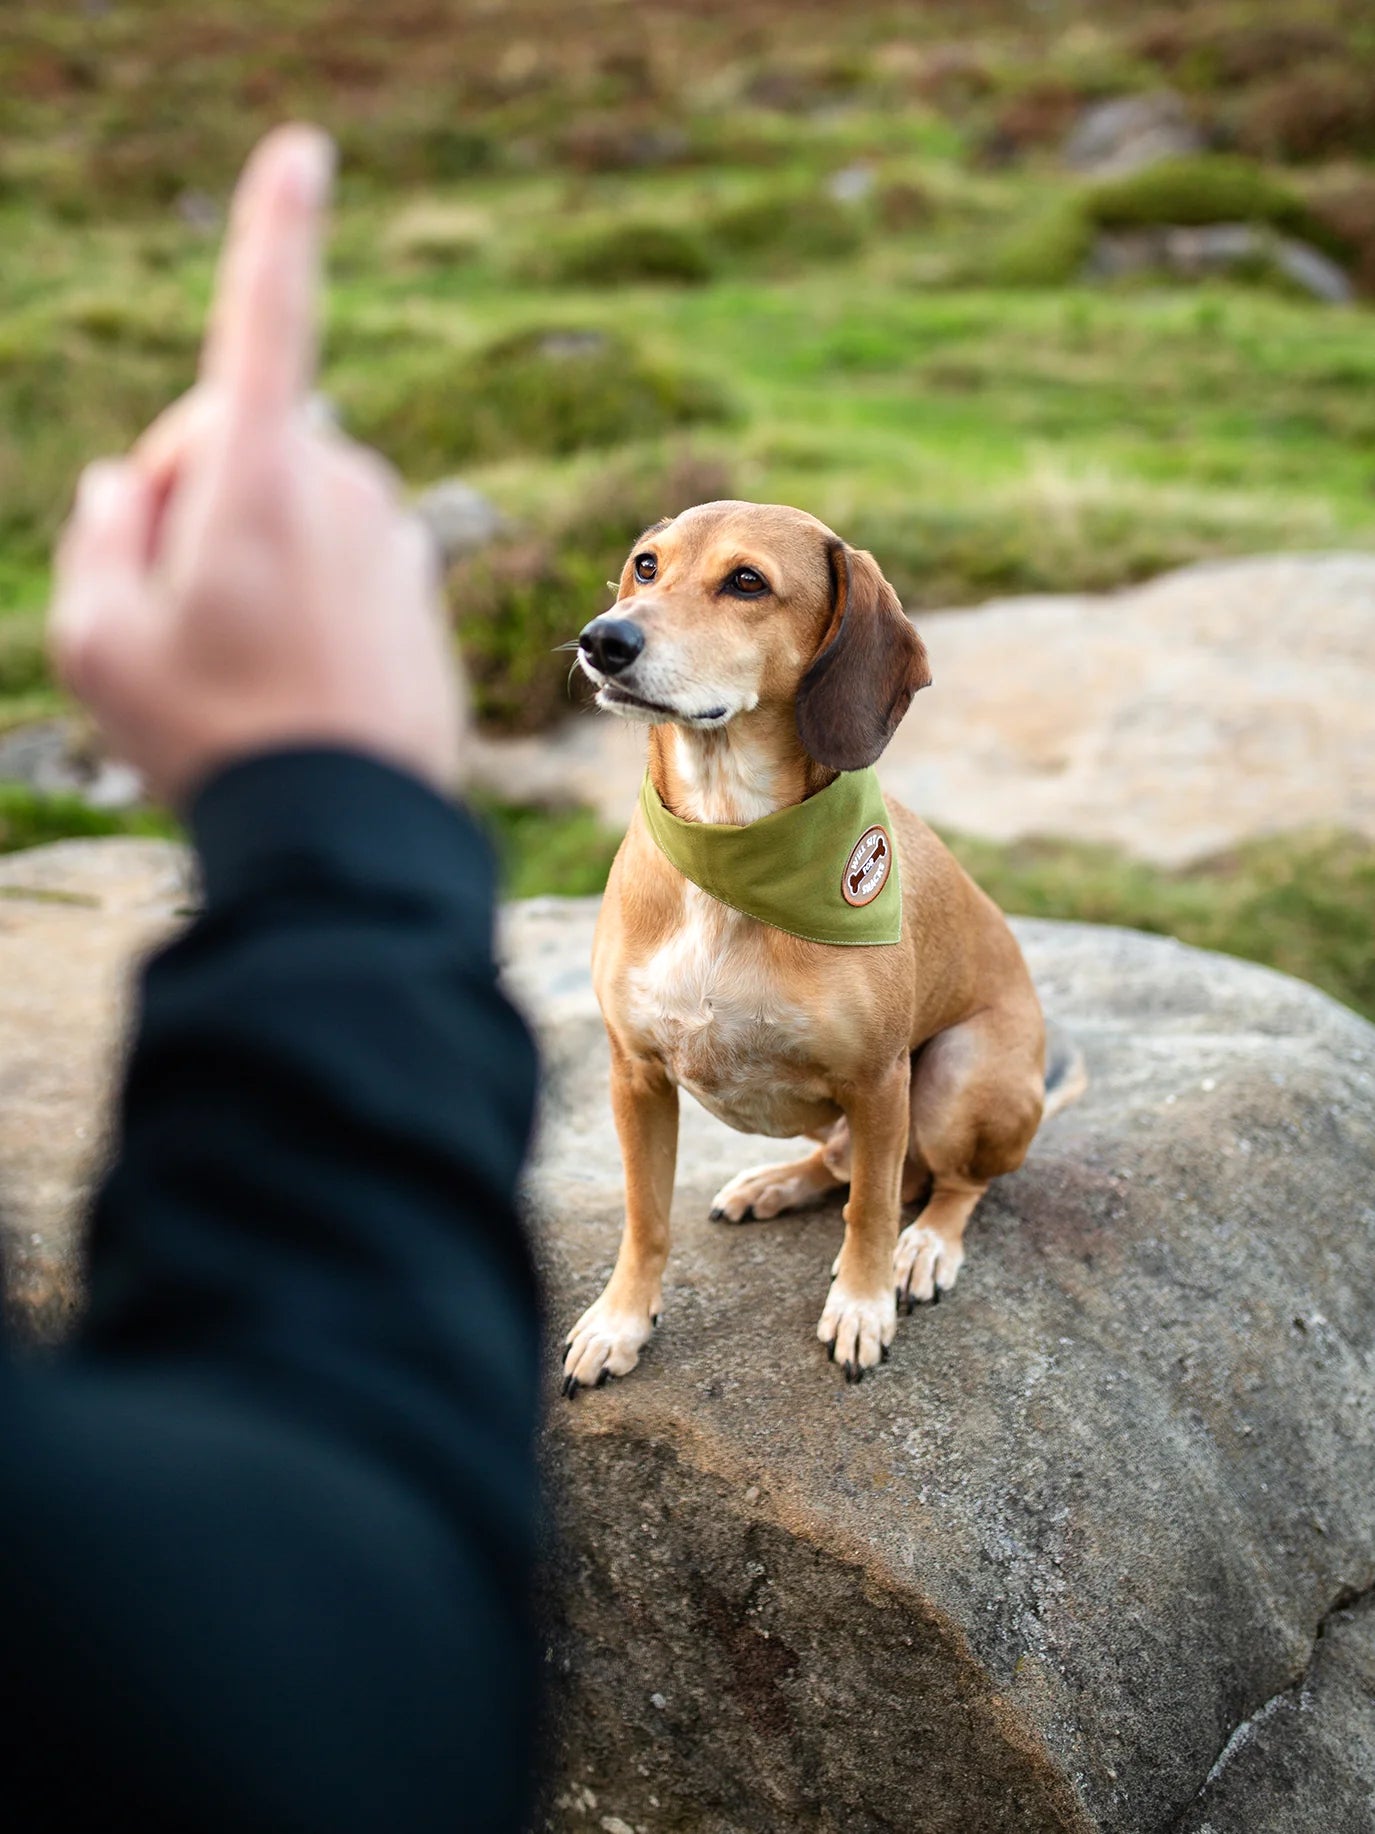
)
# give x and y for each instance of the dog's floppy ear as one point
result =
(870, 664)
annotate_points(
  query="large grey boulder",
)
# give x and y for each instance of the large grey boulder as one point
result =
(1053, 1565)
(1095, 1550)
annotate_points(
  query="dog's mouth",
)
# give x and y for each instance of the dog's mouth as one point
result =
(612, 694)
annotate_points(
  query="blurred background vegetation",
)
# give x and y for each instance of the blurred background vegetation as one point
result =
(606, 260)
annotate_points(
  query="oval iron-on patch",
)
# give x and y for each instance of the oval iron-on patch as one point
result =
(868, 867)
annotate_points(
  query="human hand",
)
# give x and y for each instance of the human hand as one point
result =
(245, 581)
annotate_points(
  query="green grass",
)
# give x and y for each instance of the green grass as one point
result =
(548, 389)
(886, 367)
(544, 853)
(28, 819)
(604, 272)
(1298, 902)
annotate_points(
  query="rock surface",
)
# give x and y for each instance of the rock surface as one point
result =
(1175, 719)
(1085, 1524)
(73, 918)
(1306, 1758)
(1094, 1551)
(1219, 248)
(1127, 133)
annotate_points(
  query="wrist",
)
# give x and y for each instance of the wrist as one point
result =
(334, 820)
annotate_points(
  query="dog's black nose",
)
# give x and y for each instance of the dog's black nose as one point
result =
(611, 644)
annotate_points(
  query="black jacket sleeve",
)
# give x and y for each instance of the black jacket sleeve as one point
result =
(266, 1526)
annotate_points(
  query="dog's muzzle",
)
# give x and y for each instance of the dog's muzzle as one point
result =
(611, 644)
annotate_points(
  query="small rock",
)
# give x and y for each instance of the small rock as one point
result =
(1214, 247)
(1132, 132)
(1316, 273)
(36, 754)
(56, 759)
(563, 346)
(1120, 256)
(1195, 251)
(114, 786)
(852, 184)
(460, 518)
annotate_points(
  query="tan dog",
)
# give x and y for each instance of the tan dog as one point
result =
(766, 656)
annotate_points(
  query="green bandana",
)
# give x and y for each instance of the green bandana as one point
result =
(825, 869)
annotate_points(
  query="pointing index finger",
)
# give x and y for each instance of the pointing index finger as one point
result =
(261, 346)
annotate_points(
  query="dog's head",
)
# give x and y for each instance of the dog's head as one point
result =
(733, 606)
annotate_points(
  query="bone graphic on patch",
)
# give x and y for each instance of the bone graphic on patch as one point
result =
(857, 878)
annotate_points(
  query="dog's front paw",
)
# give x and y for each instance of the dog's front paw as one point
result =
(606, 1341)
(925, 1265)
(857, 1331)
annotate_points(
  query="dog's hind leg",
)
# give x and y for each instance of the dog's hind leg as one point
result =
(977, 1098)
(770, 1190)
(930, 1252)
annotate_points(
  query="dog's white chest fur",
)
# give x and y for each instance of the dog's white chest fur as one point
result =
(710, 1005)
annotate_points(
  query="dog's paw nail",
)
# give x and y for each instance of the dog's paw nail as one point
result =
(716, 1214)
(654, 1317)
(935, 1295)
(911, 1304)
(884, 1352)
(570, 1387)
(602, 1378)
(853, 1372)
(747, 1214)
(831, 1350)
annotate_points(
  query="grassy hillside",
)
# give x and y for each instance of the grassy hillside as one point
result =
(606, 260)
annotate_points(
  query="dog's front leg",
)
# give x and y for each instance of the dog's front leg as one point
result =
(608, 1338)
(861, 1315)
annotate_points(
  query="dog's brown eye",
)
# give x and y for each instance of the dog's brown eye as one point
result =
(645, 566)
(746, 580)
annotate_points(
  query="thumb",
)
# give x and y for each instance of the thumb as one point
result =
(102, 588)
